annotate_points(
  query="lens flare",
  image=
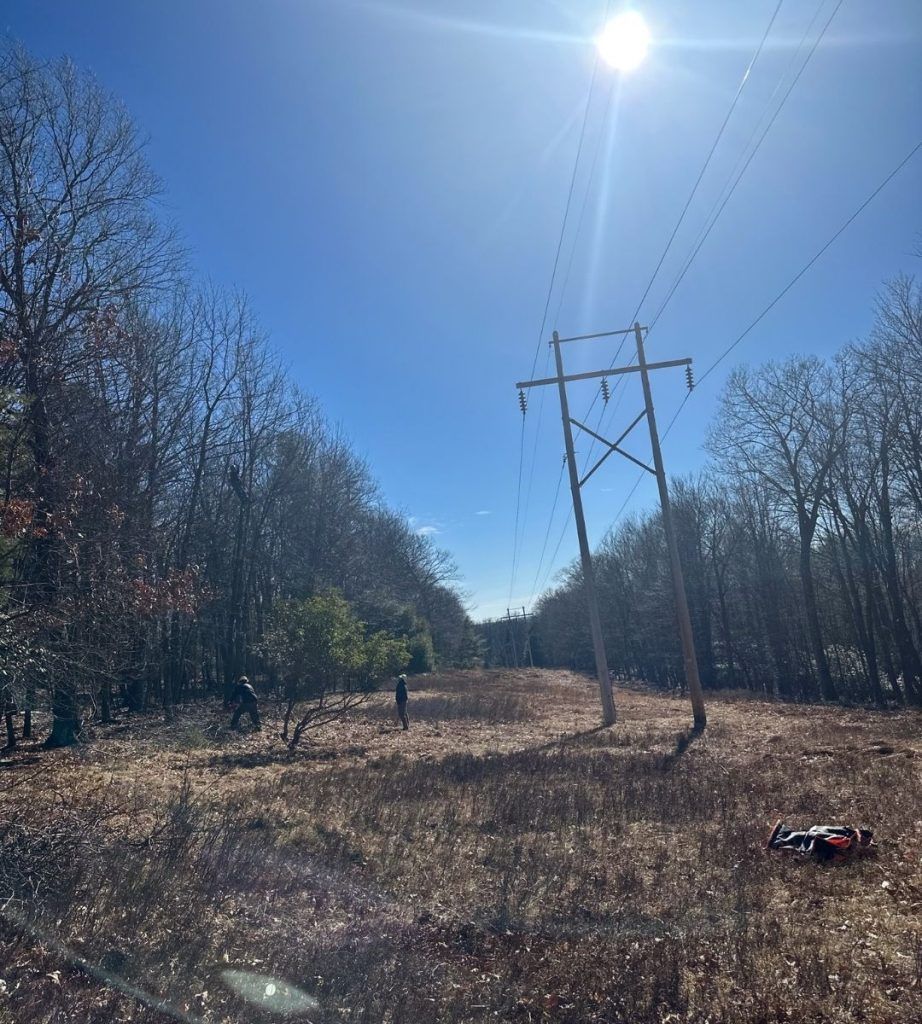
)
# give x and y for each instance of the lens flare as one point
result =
(624, 41)
(270, 993)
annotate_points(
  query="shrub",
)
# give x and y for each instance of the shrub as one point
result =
(324, 657)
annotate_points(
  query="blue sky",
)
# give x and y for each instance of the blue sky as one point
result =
(387, 182)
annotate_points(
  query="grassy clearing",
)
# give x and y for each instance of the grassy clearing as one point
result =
(504, 860)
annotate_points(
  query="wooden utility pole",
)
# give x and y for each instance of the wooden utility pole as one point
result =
(510, 633)
(576, 484)
(678, 579)
(531, 660)
(595, 622)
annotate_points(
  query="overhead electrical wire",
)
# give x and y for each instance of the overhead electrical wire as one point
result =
(519, 515)
(547, 532)
(691, 196)
(800, 273)
(711, 220)
(671, 239)
(588, 192)
(777, 298)
(722, 200)
(709, 157)
(553, 559)
(735, 175)
(563, 289)
(721, 204)
(518, 500)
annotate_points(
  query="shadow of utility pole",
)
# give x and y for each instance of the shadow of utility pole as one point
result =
(683, 741)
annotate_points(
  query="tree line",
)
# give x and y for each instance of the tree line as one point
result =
(165, 483)
(801, 540)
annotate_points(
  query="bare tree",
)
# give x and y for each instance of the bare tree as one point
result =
(76, 235)
(165, 485)
(782, 426)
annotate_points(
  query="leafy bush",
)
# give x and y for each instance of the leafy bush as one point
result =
(324, 656)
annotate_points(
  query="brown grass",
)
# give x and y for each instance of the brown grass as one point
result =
(504, 860)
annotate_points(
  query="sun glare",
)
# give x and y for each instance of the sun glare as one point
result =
(624, 41)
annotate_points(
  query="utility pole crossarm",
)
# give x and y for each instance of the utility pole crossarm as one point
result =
(613, 371)
(589, 337)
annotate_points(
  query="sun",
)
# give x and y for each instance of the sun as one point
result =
(624, 41)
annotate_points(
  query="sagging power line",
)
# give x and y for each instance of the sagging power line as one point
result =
(521, 513)
(721, 203)
(709, 225)
(774, 302)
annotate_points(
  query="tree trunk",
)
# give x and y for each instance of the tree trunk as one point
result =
(65, 725)
(724, 614)
(814, 632)
(870, 594)
(166, 680)
(864, 636)
(105, 703)
(909, 656)
(779, 656)
(27, 712)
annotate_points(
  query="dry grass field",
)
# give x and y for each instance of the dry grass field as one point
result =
(504, 860)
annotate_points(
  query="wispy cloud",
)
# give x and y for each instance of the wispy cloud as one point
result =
(427, 531)
(484, 512)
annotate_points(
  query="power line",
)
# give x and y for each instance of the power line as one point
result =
(531, 470)
(685, 208)
(800, 273)
(518, 499)
(726, 199)
(547, 532)
(774, 302)
(793, 280)
(747, 149)
(582, 213)
(708, 158)
(563, 290)
(724, 196)
(566, 211)
(662, 258)
(547, 304)
(550, 565)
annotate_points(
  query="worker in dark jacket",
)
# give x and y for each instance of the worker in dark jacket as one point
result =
(247, 703)
(401, 696)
